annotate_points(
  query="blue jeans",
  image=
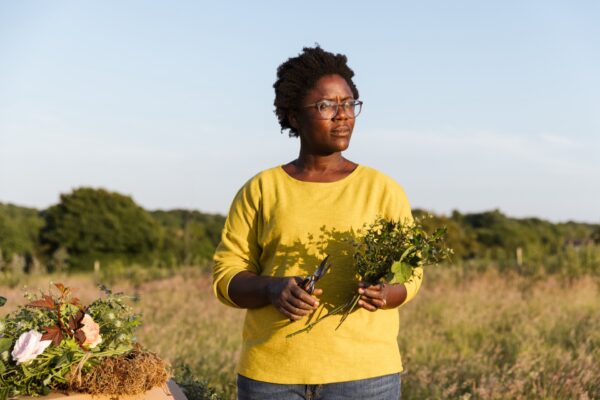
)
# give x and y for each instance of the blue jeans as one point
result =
(385, 387)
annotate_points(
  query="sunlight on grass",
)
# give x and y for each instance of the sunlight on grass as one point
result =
(484, 335)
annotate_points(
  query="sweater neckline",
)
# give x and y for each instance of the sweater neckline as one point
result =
(342, 181)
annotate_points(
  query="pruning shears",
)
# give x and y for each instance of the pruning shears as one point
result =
(308, 283)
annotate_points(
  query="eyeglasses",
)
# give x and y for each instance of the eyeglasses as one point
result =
(329, 109)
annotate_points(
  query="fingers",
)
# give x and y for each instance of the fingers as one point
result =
(293, 301)
(371, 304)
(305, 297)
(292, 312)
(301, 302)
(373, 297)
(295, 308)
(374, 291)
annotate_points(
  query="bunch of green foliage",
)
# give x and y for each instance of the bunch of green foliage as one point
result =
(389, 251)
(61, 318)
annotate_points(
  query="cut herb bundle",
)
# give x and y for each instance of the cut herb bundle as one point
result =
(56, 343)
(388, 251)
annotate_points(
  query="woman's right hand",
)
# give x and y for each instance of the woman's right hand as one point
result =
(290, 299)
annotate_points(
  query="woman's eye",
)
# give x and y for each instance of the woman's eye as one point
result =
(326, 106)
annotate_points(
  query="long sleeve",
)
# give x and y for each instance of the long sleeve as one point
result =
(238, 250)
(413, 284)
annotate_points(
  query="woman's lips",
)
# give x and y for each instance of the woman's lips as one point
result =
(341, 132)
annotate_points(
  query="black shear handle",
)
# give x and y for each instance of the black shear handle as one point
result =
(308, 284)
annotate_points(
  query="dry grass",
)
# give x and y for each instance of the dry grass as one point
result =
(184, 323)
(495, 337)
(130, 374)
(481, 336)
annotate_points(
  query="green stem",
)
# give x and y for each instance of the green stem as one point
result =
(349, 305)
(308, 327)
(353, 304)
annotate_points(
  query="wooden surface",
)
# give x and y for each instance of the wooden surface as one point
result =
(170, 392)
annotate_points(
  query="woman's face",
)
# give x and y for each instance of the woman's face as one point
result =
(325, 136)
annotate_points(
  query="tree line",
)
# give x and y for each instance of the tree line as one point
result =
(92, 226)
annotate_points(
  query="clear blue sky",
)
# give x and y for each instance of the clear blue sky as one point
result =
(469, 105)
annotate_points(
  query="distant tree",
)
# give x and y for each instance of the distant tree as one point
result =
(462, 241)
(17, 264)
(95, 223)
(19, 230)
(60, 259)
(596, 235)
(189, 236)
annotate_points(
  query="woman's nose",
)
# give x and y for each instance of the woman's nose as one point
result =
(341, 112)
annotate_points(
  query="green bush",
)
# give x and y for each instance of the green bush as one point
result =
(91, 223)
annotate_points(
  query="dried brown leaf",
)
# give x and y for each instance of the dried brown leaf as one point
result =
(75, 301)
(45, 302)
(65, 292)
(53, 333)
(79, 336)
(75, 320)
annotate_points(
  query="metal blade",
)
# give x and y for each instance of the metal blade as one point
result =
(322, 268)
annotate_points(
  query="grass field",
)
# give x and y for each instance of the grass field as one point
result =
(465, 336)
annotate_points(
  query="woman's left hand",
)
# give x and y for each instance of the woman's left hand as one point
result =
(380, 296)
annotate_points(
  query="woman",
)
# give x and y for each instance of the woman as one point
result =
(282, 224)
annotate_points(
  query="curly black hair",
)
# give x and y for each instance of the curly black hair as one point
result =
(298, 75)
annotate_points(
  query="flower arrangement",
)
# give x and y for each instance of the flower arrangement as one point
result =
(388, 251)
(56, 343)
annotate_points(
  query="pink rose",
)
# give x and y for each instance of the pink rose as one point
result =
(91, 331)
(28, 346)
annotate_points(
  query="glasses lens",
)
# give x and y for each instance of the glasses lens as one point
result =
(350, 108)
(327, 109)
(356, 107)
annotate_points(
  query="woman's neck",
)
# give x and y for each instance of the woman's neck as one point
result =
(319, 168)
(320, 164)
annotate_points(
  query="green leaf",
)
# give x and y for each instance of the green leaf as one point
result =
(26, 371)
(406, 253)
(2, 301)
(5, 344)
(57, 362)
(396, 267)
(402, 272)
(48, 380)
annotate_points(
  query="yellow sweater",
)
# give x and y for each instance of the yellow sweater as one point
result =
(280, 226)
